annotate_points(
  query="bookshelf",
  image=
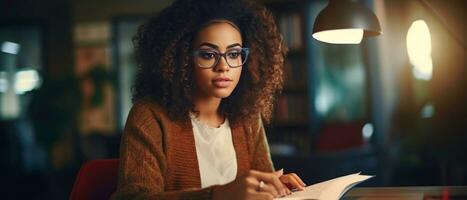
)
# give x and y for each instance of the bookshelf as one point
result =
(317, 130)
(288, 134)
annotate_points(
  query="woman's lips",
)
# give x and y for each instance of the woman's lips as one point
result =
(221, 82)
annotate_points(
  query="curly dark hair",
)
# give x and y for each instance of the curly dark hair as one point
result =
(163, 51)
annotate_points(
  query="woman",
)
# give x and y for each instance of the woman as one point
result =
(208, 74)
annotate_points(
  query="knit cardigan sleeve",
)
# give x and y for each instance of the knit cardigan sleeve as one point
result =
(143, 162)
(261, 158)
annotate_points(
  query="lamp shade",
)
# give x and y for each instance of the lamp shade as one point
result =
(345, 18)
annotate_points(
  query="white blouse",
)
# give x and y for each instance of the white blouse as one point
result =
(215, 151)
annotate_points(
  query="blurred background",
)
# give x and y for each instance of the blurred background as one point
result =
(66, 71)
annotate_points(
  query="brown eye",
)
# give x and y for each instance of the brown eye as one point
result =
(207, 55)
(234, 54)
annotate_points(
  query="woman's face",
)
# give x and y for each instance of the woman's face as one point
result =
(220, 80)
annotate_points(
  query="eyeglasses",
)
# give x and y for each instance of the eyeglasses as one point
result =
(207, 58)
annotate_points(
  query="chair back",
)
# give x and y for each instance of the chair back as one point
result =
(96, 180)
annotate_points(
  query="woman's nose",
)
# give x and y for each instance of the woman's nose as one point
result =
(222, 65)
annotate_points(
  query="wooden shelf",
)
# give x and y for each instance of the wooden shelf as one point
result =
(294, 90)
(289, 125)
(296, 53)
(288, 133)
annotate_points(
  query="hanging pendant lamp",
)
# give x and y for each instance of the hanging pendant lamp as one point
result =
(345, 22)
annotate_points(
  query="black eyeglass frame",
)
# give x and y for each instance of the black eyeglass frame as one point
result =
(218, 56)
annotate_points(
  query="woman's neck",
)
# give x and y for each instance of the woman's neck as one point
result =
(208, 111)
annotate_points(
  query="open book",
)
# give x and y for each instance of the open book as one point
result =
(332, 189)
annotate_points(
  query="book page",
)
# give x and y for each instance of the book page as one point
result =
(328, 190)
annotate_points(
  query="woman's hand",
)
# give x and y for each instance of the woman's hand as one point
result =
(291, 180)
(248, 187)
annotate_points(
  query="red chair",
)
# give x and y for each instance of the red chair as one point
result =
(96, 180)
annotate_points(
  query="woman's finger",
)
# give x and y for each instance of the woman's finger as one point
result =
(274, 180)
(263, 195)
(299, 179)
(287, 190)
(292, 181)
(269, 189)
(269, 178)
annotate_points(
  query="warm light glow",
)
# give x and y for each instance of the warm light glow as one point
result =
(340, 36)
(419, 50)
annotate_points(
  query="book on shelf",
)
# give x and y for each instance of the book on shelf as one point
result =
(295, 71)
(292, 109)
(290, 27)
(289, 143)
(332, 189)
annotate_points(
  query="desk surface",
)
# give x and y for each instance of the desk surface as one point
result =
(408, 193)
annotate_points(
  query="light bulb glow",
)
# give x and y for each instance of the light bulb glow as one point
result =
(325, 99)
(367, 130)
(3, 82)
(26, 80)
(10, 47)
(340, 36)
(428, 110)
(419, 50)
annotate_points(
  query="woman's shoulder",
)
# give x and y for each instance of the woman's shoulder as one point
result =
(147, 103)
(146, 108)
(253, 125)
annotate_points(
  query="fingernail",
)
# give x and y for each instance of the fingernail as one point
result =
(279, 172)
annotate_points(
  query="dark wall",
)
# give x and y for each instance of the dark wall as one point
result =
(55, 19)
(430, 150)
